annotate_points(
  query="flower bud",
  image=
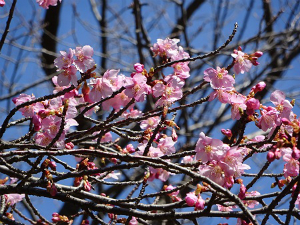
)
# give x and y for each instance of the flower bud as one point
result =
(258, 54)
(271, 156)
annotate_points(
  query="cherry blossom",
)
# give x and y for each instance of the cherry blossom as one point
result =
(242, 64)
(46, 3)
(208, 148)
(218, 78)
(283, 106)
(137, 87)
(84, 59)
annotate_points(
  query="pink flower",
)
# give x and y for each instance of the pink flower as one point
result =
(214, 171)
(151, 122)
(167, 47)
(268, 118)
(31, 109)
(233, 160)
(166, 145)
(237, 106)
(208, 148)
(251, 203)
(84, 59)
(218, 78)
(223, 95)
(242, 193)
(168, 93)
(46, 3)
(65, 60)
(283, 106)
(2, 3)
(158, 173)
(14, 198)
(181, 70)
(137, 88)
(133, 113)
(67, 76)
(191, 199)
(188, 159)
(242, 63)
(101, 89)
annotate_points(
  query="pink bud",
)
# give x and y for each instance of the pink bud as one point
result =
(277, 153)
(227, 133)
(271, 156)
(130, 148)
(138, 67)
(258, 54)
(52, 189)
(255, 63)
(174, 135)
(285, 121)
(69, 145)
(259, 87)
(87, 186)
(114, 160)
(52, 165)
(2, 3)
(55, 217)
(242, 193)
(191, 199)
(252, 105)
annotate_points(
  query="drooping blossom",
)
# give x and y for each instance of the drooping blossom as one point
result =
(12, 199)
(46, 3)
(291, 168)
(268, 119)
(67, 76)
(283, 106)
(223, 95)
(31, 109)
(242, 63)
(166, 145)
(65, 59)
(2, 3)
(200, 203)
(237, 106)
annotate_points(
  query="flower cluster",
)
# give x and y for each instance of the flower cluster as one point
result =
(222, 163)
